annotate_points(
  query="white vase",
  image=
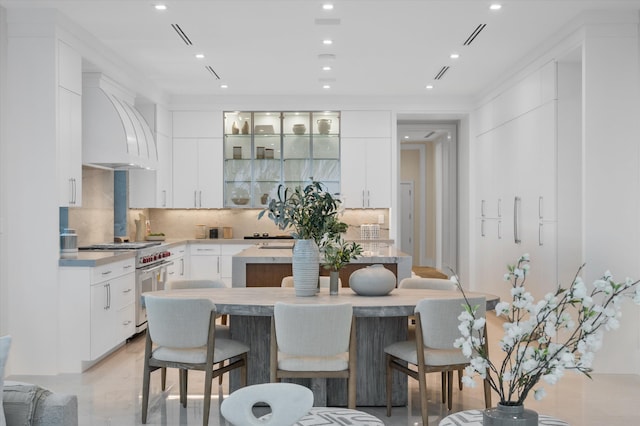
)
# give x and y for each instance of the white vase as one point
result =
(306, 267)
(374, 280)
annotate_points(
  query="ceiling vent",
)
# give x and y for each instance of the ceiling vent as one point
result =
(474, 34)
(441, 72)
(428, 135)
(212, 71)
(182, 34)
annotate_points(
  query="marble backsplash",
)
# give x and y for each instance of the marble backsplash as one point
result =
(94, 220)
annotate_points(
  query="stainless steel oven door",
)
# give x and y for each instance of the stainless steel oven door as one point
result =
(151, 278)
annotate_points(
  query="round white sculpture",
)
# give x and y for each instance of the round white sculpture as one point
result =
(374, 280)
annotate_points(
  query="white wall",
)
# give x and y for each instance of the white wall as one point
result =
(3, 176)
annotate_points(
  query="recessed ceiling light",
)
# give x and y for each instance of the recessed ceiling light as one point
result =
(160, 7)
(454, 55)
(326, 68)
(200, 55)
(406, 137)
(495, 6)
(327, 6)
(326, 86)
(327, 41)
(429, 86)
(223, 86)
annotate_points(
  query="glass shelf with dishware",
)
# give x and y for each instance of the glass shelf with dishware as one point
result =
(267, 149)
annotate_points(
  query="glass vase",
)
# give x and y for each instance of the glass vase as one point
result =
(509, 415)
(334, 282)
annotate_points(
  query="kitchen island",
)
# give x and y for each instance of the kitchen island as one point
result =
(265, 265)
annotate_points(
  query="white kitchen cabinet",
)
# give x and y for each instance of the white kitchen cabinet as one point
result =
(69, 68)
(197, 124)
(197, 173)
(227, 251)
(153, 188)
(177, 270)
(366, 124)
(365, 172)
(204, 261)
(69, 148)
(96, 312)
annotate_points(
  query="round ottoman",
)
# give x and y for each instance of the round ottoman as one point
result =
(338, 416)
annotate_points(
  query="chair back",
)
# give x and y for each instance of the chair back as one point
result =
(182, 284)
(288, 402)
(287, 282)
(313, 330)
(439, 319)
(179, 322)
(428, 284)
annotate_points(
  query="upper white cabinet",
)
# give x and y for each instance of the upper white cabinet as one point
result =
(197, 124)
(366, 172)
(197, 173)
(69, 145)
(366, 124)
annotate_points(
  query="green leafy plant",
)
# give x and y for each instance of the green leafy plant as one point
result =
(338, 253)
(311, 211)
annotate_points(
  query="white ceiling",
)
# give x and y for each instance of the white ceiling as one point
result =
(271, 47)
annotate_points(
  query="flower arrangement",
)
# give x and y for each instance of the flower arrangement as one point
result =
(543, 339)
(311, 211)
(338, 253)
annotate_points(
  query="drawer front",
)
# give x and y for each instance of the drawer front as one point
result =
(126, 322)
(123, 291)
(204, 249)
(112, 270)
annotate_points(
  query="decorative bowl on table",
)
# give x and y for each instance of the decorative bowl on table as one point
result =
(240, 201)
(374, 280)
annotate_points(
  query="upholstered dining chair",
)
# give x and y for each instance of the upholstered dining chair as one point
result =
(430, 284)
(184, 334)
(288, 402)
(432, 350)
(222, 329)
(314, 341)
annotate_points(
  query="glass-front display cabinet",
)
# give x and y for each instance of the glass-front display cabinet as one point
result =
(265, 149)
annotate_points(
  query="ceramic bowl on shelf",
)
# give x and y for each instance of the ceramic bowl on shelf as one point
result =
(240, 201)
(299, 129)
(263, 129)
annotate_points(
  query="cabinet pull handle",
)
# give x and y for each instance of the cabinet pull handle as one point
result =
(127, 266)
(499, 229)
(195, 198)
(164, 198)
(109, 295)
(482, 228)
(540, 207)
(368, 198)
(126, 291)
(499, 207)
(126, 322)
(106, 273)
(200, 204)
(482, 208)
(75, 192)
(106, 297)
(540, 234)
(181, 267)
(516, 221)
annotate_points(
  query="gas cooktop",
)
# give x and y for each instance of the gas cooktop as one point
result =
(121, 246)
(266, 236)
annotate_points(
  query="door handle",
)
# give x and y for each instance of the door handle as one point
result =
(195, 198)
(540, 208)
(516, 221)
(499, 207)
(499, 229)
(482, 208)
(540, 234)
(482, 228)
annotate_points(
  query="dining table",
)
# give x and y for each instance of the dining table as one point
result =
(380, 321)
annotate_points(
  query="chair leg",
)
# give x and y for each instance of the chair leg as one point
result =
(422, 386)
(183, 386)
(163, 378)
(243, 371)
(220, 376)
(146, 377)
(449, 388)
(208, 378)
(389, 373)
(443, 386)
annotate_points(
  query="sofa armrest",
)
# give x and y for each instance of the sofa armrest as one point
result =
(57, 410)
(32, 405)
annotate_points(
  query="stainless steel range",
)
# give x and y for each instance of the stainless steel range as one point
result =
(151, 271)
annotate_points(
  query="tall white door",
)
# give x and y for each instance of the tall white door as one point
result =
(407, 215)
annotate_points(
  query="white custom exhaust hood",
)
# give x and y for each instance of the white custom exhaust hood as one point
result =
(114, 133)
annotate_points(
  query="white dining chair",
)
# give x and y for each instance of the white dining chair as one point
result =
(287, 403)
(184, 335)
(432, 350)
(314, 341)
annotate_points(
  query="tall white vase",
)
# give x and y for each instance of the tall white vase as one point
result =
(306, 267)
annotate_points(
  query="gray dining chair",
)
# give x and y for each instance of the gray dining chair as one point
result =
(432, 350)
(430, 284)
(181, 334)
(314, 341)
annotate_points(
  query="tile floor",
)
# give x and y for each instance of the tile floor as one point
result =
(109, 394)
